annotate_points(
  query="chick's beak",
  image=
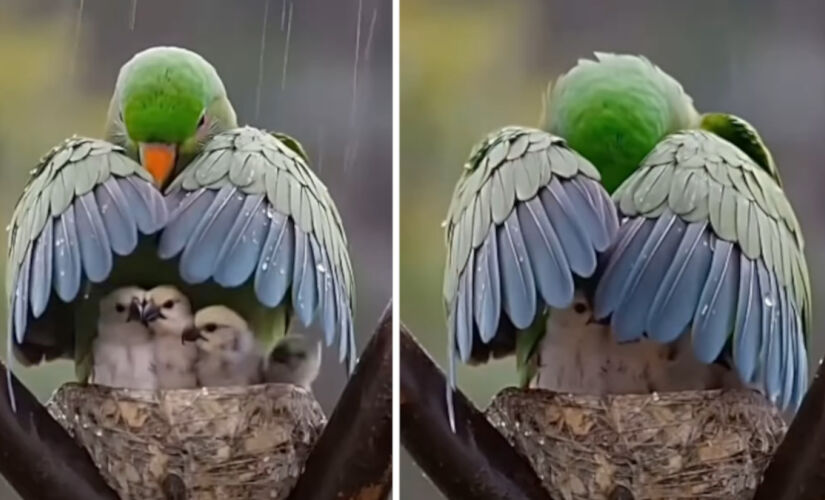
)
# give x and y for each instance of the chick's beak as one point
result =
(135, 311)
(192, 334)
(151, 312)
(159, 159)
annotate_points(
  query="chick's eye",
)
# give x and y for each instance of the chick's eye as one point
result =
(579, 308)
(211, 327)
(169, 304)
(120, 308)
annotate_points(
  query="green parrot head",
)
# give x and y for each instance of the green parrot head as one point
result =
(168, 102)
(614, 110)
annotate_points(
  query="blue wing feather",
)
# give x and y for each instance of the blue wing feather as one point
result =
(594, 210)
(630, 240)
(747, 336)
(303, 290)
(145, 202)
(346, 331)
(117, 217)
(578, 246)
(788, 339)
(770, 334)
(464, 315)
(716, 310)
(330, 303)
(241, 248)
(675, 301)
(547, 261)
(487, 293)
(274, 273)
(518, 289)
(801, 381)
(183, 219)
(199, 259)
(629, 318)
(67, 269)
(95, 249)
(20, 303)
(41, 269)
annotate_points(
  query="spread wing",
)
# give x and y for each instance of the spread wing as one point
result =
(87, 201)
(249, 211)
(710, 243)
(527, 217)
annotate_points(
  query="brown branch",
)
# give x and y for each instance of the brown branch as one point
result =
(797, 471)
(37, 457)
(473, 462)
(352, 458)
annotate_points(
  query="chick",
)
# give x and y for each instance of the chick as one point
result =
(123, 353)
(295, 359)
(168, 314)
(228, 353)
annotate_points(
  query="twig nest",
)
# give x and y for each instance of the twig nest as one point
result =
(214, 443)
(703, 444)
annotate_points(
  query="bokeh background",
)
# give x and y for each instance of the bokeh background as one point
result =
(59, 65)
(471, 66)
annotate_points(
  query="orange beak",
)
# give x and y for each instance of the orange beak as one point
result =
(159, 160)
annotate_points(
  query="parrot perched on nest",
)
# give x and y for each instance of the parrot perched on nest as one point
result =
(632, 245)
(177, 194)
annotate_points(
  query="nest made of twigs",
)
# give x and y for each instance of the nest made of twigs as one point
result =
(215, 443)
(702, 444)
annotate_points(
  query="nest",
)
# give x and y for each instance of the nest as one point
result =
(208, 443)
(704, 444)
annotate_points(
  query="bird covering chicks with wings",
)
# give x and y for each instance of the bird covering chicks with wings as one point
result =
(176, 252)
(632, 245)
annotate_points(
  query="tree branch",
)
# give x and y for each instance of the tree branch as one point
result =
(473, 462)
(352, 458)
(37, 456)
(797, 471)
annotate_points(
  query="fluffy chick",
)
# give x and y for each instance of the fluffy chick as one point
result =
(228, 354)
(168, 314)
(295, 359)
(123, 353)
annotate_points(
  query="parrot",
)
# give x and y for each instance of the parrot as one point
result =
(627, 244)
(123, 349)
(175, 193)
(168, 314)
(295, 360)
(228, 353)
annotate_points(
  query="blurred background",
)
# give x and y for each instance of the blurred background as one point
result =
(333, 93)
(471, 66)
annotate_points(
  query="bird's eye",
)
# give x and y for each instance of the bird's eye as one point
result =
(169, 304)
(120, 308)
(202, 121)
(211, 327)
(579, 308)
